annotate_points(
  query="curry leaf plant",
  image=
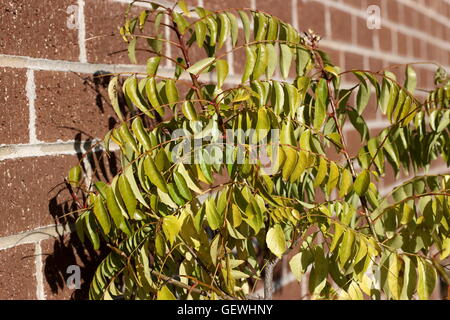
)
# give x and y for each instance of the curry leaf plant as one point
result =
(221, 180)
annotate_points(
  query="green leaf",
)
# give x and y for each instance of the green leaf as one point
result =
(224, 29)
(263, 124)
(215, 220)
(346, 247)
(127, 195)
(320, 106)
(271, 60)
(250, 53)
(410, 79)
(285, 60)
(333, 177)
(245, 24)
(234, 28)
(171, 92)
(165, 294)
(102, 215)
(200, 66)
(132, 51)
(300, 262)
(445, 252)
(362, 183)
(426, 279)
(91, 227)
(154, 175)
(322, 171)
(289, 163)
(171, 227)
(359, 123)
(184, 7)
(189, 180)
(115, 211)
(131, 90)
(222, 72)
(182, 186)
(152, 65)
(140, 133)
(395, 281)
(75, 176)
(302, 163)
(346, 183)
(261, 63)
(363, 96)
(129, 174)
(200, 32)
(113, 96)
(175, 194)
(276, 241)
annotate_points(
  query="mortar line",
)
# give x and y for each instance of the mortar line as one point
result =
(388, 23)
(35, 235)
(40, 293)
(81, 32)
(294, 7)
(31, 97)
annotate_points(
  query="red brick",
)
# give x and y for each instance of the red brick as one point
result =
(70, 105)
(376, 64)
(353, 61)
(279, 9)
(32, 192)
(14, 106)
(17, 273)
(215, 5)
(364, 34)
(385, 38)
(402, 44)
(104, 43)
(290, 291)
(341, 27)
(58, 254)
(38, 28)
(417, 50)
(354, 3)
(333, 54)
(311, 15)
(393, 11)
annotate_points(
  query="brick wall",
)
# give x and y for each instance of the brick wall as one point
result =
(50, 106)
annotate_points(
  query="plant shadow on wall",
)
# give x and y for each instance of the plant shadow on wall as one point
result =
(67, 249)
(175, 233)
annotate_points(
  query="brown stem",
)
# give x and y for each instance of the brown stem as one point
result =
(185, 53)
(268, 278)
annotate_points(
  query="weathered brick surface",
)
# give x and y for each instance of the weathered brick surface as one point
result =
(17, 273)
(341, 25)
(60, 253)
(104, 43)
(273, 7)
(291, 291)
(311, 15)
(38, 28)
(13, 106)
(32, 193)
(71, 106)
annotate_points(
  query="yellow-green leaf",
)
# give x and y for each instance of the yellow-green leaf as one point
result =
(222, 72)
(276, 241)
(171, 227)
(201, 66)
(362, 183)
